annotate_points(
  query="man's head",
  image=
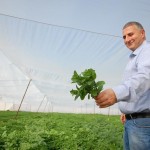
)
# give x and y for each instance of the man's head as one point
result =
(133, 35)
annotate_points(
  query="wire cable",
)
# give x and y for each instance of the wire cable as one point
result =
(61, 26)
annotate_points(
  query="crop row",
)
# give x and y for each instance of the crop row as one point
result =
(57, 131)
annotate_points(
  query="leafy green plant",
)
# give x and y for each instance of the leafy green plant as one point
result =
(61, 131)
(86, 84)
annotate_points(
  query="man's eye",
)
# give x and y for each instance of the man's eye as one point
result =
(124, 37)
(130, 34)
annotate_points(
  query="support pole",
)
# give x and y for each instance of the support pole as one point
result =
(23, 98)
(108, 112)
(46, 105)
(94, 108)
(41, 103)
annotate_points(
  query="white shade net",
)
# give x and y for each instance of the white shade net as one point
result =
(47, 54)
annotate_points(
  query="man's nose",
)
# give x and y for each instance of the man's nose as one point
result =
(127, 39)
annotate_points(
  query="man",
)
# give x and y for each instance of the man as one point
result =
(133, 94)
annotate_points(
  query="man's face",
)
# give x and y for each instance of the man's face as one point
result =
(133, 37)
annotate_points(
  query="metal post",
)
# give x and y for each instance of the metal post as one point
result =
(23, 97)
(108, 112)
(45, 105)
(94, 108)
(41, 103)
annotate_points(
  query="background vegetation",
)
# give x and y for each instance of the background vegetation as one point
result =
(58, 131)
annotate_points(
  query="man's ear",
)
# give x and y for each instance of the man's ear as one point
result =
(143, 33)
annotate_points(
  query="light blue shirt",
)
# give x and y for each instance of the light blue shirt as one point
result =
(133, 94)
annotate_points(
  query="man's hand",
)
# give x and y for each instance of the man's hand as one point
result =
(106, 98)
(123, 118)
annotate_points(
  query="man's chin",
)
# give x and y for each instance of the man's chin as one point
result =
(132, 48)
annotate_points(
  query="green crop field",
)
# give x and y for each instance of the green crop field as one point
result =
(59, 131)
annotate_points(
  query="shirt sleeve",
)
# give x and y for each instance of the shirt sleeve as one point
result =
(138, 84)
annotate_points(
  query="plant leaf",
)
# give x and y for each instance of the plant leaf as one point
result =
(86, 84)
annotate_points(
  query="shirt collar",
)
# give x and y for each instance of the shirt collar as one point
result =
(137, 51)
